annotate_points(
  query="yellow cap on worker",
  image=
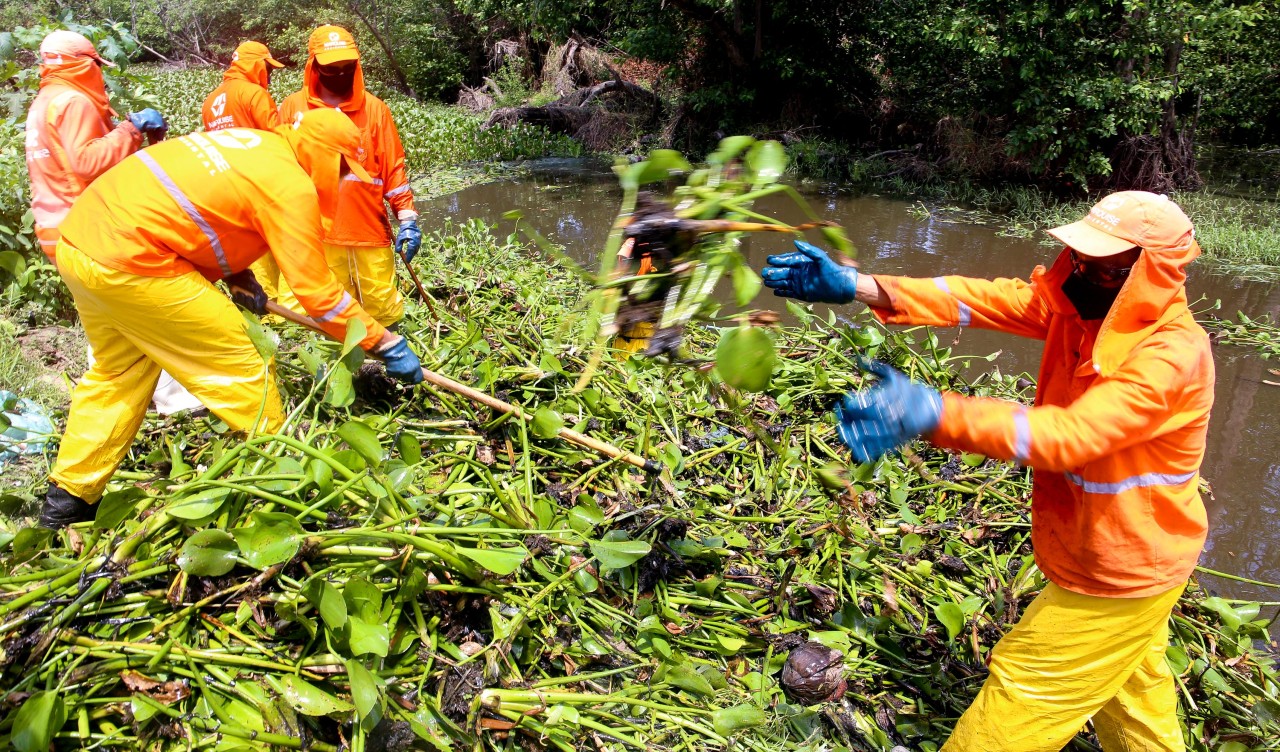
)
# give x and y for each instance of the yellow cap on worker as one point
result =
(1126, 219)
(250, 51)
(62, 46)
(332, 44)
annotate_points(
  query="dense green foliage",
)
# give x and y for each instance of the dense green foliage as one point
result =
(1088, 94)
(405, 572)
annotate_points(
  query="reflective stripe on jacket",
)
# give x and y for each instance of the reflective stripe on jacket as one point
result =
(1117, 431)
(70, 141)
(361, 219)
(215, 203)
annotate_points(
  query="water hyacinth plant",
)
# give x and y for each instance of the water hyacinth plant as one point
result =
(408, 571)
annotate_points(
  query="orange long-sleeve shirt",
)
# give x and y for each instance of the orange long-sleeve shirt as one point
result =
(361, 219)
(242, 100)
(215, 203)
(70, 141)
(1117, 431)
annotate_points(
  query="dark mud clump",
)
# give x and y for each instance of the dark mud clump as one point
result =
(814, 673)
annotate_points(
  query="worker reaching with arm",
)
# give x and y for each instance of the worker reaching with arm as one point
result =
(1115, 436)
(71, 140)
(139, 252)
(358, 246)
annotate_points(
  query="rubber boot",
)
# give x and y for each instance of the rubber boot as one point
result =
(62, 509)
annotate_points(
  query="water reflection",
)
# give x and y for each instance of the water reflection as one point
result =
(1242, 465)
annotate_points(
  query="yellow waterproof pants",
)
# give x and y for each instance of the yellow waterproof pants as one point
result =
(368, 273)
(1070, 658)
(137, 326)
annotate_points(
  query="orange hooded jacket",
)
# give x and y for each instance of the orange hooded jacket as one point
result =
(361, 219)
(70, 141)
(1117, 431)
(215, 203)
(242, 101)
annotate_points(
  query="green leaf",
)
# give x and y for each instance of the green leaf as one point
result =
(660, 165)
(746, 284)
(409, 447)
(356, 332)
(768, 160)
(308, 699)
(1177, 659)
(198, 506)
(951, 617)
(547, 423)
(687, 678)
(208, 553)
(745, 358)
(368, 638)
(264, 340)
(730, 148)
(973, 459)
(37, 721)
(339, 392)
(364, 688)
(727, 721)
(500, 561)
(619, 554)
(271, 538)
(328, 600)
(116, 507)
(362, 438)
(837, 238)
(585, 515)
(284, 466)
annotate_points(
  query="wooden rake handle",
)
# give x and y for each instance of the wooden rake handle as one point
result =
(448, 384)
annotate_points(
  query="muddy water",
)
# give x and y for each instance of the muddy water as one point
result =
(574, 206)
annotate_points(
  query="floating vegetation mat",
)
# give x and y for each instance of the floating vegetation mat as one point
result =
(404, 570)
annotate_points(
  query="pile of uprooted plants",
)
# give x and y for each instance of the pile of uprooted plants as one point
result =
(405, 570)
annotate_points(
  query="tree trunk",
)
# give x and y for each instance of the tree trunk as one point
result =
(363, 10)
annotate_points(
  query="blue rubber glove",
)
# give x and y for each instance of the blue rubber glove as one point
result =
(150, 122)
(878, 420)
(809, 274)
(400, 361)
(409, 240)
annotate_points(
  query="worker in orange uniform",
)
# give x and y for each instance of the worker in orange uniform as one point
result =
(358, 246)
(1116, 436)
(71, 140)
(140, 251)
(242, 101)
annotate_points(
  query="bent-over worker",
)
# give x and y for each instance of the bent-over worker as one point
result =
(1116, 436)
(140, 251)
(358, 245)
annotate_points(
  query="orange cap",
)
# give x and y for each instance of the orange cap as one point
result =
(250, 51)
(331, 44)
(1125, 219)
(60, 46)
(331, 129)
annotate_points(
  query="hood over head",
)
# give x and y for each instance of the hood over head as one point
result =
(327, 45)
(324, 141)
(250, 63)
(70, 59)
(1155, 291)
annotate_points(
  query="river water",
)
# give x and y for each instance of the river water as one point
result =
(574, 206)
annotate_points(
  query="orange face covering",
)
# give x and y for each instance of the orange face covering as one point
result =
(83, 75)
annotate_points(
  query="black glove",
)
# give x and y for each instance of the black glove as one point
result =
(246, 292)
(62, 509)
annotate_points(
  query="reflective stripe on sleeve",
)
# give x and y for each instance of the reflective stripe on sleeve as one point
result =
(966, 313)
(342, 305)
(396, 191)
(1021, 437)
(1146, 480)
(189, 208)
(352, 177)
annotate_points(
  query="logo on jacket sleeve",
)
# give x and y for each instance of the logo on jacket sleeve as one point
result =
(219, 104)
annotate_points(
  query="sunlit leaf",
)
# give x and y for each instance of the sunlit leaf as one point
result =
(745, 358)
(547, 423)
(308, 699)
(39, 718)
(727, 721)
(198, 506)
(950, 616)
(360, 437)
(208, 553)
(500, 561)
(619, 554)
(270, 538)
